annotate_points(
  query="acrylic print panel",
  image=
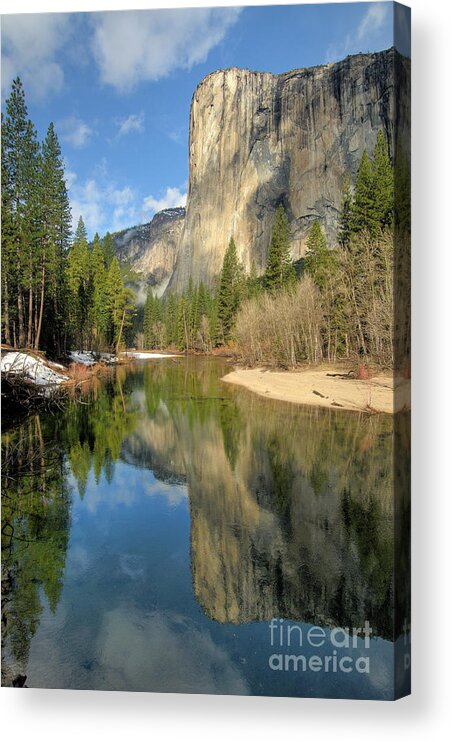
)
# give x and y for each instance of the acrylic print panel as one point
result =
(205, 351)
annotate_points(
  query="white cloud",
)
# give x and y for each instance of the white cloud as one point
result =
(371, 33)
(102, 206)
(87, 201)
(101, 169)
(133, 46)
(75, 131)
(31, 48)
(373, 20)
(178, 136)
(124, 212)
(70, 178)
(173, 197)
(120, 197)
(105, 206)
(122, 218)
(161, 652)
(134, 122)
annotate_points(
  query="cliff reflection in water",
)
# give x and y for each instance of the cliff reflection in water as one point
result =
(291, 508)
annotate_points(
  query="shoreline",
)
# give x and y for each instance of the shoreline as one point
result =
(315, 388)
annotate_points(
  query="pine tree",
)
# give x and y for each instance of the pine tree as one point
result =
(215, 330)
(115, 299)
(171, 317)
(364, 213)
(64, 221)
(20, 150)
(279, 272)
(128, 310)
(36, 228)
(191, 300)
(253, 284)
(230, 289)
(78, 275)
(346, 213)
(203, 301)
(322, 264)
(152, 316)
(8, 248)
(55, 230)
(98, 280)
(108, 249)
(383, 183)
(318, 258)
(120, 304)
(146, 321)
(81, 235)
(203, 325)
(402, 193)
(32, 232)
(182, 329)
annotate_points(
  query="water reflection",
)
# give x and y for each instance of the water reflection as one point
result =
(36, 507)
(291, 510)
(291, 515)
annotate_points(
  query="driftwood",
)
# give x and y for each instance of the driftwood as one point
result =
(348, 375)
(318, 394)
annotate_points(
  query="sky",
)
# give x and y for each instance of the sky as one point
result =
(118, 86)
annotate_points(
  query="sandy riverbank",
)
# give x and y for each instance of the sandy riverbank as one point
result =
(316, 387)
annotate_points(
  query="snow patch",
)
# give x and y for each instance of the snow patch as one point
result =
(89, 358)
(32, 368)
(84, 357)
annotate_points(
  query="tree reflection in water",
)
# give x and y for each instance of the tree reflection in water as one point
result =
(291, 508)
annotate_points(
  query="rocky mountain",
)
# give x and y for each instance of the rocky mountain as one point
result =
(258, 140)
(150, 249)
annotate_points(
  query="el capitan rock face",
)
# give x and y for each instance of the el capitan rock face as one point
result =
(258, 139)
(151, 248)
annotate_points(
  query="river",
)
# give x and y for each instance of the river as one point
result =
(175, 533)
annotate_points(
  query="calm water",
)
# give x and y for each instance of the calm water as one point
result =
(152, 533)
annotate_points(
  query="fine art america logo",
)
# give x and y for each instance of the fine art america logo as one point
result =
(339, 643)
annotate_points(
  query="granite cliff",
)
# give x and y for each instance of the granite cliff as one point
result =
(259, 139)
(150, 249)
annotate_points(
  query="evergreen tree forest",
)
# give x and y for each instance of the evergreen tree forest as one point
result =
(200, 319)
(58, 291)
(61, 291)
(279, 272)
(342, 305)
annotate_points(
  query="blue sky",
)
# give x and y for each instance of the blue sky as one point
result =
(118, 86)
